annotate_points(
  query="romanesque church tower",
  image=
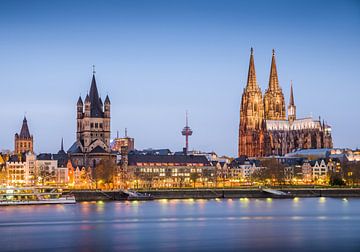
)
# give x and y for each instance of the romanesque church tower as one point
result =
(251, 128)
(274, 101)
(93, 128)
(93, 120)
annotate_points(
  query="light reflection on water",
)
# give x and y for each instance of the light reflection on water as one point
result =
(210, 225)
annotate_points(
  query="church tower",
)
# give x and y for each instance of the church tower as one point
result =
(291, 107)
(93, 128)
(24, 142)
(94, 123)
(251, 128)
(274, 101)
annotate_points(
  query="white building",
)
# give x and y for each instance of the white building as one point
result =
(29, 170)
(243, 168)
(21, 169)
(319, 169)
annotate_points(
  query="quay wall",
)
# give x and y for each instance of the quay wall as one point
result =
(95, 195)
(251, 193)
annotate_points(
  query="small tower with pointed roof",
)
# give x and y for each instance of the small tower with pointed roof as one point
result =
(80, 108)
(24, 141)
(291, 107)
(107, 107)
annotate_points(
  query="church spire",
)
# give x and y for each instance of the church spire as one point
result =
(292, 103)
(95, 107)
(251, 80)
(274, 98)
(291, 107)
(24, 132)
(273, 80)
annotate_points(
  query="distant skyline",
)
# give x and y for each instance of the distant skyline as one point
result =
(157, 59)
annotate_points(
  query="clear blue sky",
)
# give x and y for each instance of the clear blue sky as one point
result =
(157, 59)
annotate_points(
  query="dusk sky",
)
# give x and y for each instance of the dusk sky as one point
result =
(157, 59)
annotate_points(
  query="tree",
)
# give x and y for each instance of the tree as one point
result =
(336, 180)
(193, 177)
(3, 175)
(45, 173)
(273, 170)
(351, 172)
(104, 171)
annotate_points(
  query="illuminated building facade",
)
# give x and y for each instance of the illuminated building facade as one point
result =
(119, 143)
(170, 170)
(264, 129)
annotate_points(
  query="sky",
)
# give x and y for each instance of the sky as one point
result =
(157, 59)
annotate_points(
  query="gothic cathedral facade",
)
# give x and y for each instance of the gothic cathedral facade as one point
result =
(264, 129)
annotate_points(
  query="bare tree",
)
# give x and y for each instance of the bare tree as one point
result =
(273, 170)
(105, 171)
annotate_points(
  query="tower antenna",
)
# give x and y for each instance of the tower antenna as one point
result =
(93, 67)
(186, 132)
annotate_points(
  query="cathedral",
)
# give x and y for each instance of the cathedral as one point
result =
(93, 129)
(264, 129)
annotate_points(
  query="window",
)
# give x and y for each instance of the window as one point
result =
(96, 125)
(101, 125)
(92, 125)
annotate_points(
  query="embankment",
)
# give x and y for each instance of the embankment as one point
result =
(91, 195)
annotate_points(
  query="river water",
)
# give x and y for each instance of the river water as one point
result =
(300, 224)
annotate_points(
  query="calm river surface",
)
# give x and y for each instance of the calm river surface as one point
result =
(305, 224)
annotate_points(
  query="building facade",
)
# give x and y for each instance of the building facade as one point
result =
(24, 142)
(242, 168)
(93, 129)
(121, 143)
(264, 129)
(170, 171)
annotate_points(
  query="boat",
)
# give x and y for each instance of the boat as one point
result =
(133, 195)
(33, 196)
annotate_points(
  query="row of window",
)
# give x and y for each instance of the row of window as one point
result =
(97, 125)
(170, 164)
(25, 145)
(150, 170)
(16, 172)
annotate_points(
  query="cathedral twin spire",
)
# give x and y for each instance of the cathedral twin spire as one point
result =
(273, 81)
(251, 80)
(262, 118)
(274, 102)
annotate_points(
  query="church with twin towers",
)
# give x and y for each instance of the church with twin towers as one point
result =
(264, 128)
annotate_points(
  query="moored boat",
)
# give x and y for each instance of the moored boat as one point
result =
(33, 196)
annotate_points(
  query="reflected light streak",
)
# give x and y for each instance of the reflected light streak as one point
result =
(322, 200)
